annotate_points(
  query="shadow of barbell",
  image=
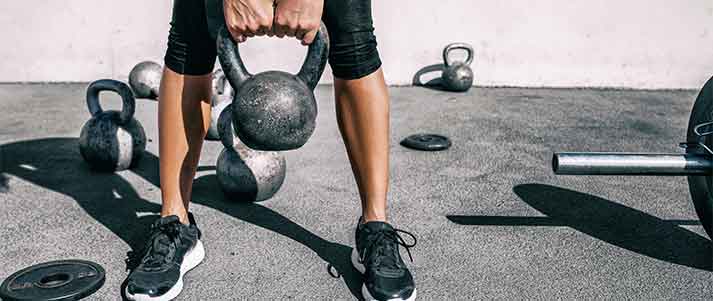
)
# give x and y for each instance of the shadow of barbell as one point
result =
(533, 221)
(608, 221)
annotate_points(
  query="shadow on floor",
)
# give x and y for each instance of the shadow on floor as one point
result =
(207, 192)
(55, 164)
(435, 83)
(3, 180)
(613, 223)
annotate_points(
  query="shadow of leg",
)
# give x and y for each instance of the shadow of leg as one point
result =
(55, 164)
(207, 192)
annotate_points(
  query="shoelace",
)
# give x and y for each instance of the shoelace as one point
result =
(162, 244)
(383, 243)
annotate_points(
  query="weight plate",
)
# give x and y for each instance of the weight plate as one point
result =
(426, 142)
(55, 280)
(701, 187)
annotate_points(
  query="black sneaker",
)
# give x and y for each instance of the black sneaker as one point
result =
(377, 256)
(172, 250)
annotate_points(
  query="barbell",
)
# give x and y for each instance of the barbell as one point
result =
(696, 162)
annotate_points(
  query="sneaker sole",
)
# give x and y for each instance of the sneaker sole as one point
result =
(364, 291)
(190, 261)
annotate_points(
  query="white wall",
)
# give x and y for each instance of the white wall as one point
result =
(632, 43)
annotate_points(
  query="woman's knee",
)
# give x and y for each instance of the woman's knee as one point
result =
(353, 53)
(191, 50)
(354, 57)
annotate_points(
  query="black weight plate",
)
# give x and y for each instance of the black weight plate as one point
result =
(55, 280)
(426, 142)
(701, 187)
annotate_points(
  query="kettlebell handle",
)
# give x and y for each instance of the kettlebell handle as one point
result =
(127, 96)
(467, 47)
(237, 74)
(225, 126)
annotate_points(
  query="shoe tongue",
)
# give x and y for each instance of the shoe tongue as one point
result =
(377, 226)
(388, 249)
(161, 240)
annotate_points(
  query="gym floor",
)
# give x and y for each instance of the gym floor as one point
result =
(492, 220)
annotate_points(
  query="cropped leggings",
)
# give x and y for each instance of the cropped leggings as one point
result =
(352, 54)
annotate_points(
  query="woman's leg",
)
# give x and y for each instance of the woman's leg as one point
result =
(362, 100)
(362, 103)
(363, 117)
(184, 104)
(183, 118)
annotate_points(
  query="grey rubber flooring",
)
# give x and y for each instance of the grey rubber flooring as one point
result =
(492, 220)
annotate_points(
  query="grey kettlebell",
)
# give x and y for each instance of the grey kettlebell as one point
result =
(274, 110)
(145, 79)
(457, 76)
(221, 98)
(245, 174)
(111, 140)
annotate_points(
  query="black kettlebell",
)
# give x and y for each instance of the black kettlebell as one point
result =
(111, 140)
(245, 174)
(457, 76)
(222, 97)
(274, 110)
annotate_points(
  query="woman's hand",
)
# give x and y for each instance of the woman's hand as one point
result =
(248, 18)
(298, 18)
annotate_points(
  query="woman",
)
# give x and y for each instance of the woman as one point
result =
(362, 106)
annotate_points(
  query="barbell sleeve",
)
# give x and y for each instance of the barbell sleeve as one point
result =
(642, 164)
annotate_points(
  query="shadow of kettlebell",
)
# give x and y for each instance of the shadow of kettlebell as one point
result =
(435, 83)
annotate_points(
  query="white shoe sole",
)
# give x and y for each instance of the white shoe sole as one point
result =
(365, 292)
(191, 260)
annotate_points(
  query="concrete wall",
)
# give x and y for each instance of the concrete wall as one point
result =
(633, 43)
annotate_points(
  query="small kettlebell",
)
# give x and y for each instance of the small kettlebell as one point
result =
(457, 76)
(145, 79)
(245, 174)
(222, 97)
(111, 140)
(274, 110)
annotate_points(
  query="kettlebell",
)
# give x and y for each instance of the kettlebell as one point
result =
(221, 98)
(274, 110)
(457, 76)
(145, 79)
(245, 174)
(111, 140)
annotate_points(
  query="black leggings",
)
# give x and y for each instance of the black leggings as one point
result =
(352, 54)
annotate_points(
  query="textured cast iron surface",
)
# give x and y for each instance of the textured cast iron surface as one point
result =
(245, 174)
(426, 142)
(108, 146)
(222, 97)
(111, 140)
(145, 79)
(275, 110)
(55, 280)
(457, 76)
(701, 187)
(250, 175)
